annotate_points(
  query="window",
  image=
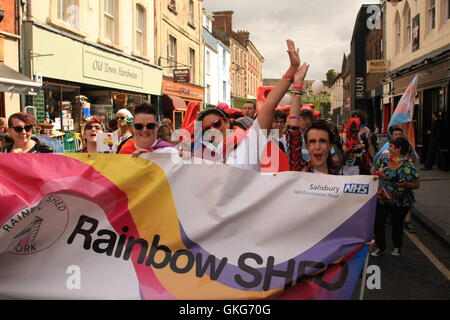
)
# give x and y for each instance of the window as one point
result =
(208, 94)
(208, 62)
(224, 91)
(445, 10)
(192, 64)
(224, 59)
(191, 14)
(110, 10)
(238, 85)
(398, 33)
(431, 14)
(140, 30)
(68, 12)
(172, 52)
(408, 25)
(237, 55)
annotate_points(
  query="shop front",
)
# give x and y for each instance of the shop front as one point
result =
(432, 96)
(176, 98)
(81, 80)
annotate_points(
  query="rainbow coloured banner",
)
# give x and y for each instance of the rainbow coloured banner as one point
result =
(107, 226)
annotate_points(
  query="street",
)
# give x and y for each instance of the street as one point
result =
(414, 275)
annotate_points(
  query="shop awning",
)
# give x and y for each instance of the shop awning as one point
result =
(178, 103)
(15, 82)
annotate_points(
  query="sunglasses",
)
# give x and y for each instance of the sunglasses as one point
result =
(121, 118)
(216, 124)
(149, 126)
(90, 127)
(19, 129)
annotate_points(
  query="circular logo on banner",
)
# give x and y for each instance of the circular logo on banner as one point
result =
(36, 228)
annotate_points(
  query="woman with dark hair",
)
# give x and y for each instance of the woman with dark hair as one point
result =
(20, 139)
(319, 138)
(398, 177)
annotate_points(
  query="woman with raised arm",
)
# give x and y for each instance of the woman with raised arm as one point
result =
(244, 150)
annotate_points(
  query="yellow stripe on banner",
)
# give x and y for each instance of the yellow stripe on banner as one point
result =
(153, 210)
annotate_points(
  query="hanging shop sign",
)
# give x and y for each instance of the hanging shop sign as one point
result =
(181, 75)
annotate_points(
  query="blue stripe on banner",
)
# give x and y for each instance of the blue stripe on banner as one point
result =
(399, 118)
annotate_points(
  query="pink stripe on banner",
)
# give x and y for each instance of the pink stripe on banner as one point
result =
(25, 179)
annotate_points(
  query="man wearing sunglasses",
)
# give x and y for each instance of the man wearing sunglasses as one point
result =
(20, 139)
(144, 138)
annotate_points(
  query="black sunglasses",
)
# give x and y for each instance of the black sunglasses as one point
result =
(121, 118)
(19, 129)
(90, 127)
(216, 124)
(140, 126)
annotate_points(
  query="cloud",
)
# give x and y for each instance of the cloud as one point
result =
(322, 29)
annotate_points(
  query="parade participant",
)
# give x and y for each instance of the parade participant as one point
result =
(124, 117)
(319, 141)
(398, 177)
(356, 157)
(411, 156)
(364, 133)
(20, 139)
(3, 131)
(244, 150)
(3, 125)
(90, 131)
(278, 129)
(165, 133)
(145, 134)
(249, 109)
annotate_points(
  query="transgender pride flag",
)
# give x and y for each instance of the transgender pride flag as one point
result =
(404, 112)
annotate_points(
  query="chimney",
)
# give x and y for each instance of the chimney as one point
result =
(244, 35)
(223, 21)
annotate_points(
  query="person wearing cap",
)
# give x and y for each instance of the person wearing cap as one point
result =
(145, 138)
(124, 119)
(243, 149)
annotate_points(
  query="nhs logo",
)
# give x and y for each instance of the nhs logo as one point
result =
(356, 188)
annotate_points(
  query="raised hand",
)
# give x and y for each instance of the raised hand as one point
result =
(300, 74)
(294, 54)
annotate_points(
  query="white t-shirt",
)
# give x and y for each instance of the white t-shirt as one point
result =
(249, 150)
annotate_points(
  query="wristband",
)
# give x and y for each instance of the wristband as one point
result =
(291, 79)
(299, 87)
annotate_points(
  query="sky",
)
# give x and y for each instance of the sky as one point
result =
(322, 29)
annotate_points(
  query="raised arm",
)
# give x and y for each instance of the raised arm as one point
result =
(276, 94)
(296, 102)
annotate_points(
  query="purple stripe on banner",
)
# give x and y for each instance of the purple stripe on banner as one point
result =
(355, 230)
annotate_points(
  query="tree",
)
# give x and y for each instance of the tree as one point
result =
(331, 75)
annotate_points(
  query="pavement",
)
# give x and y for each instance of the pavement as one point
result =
(432, 207)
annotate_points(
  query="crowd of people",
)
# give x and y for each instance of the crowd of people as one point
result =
(298, 141)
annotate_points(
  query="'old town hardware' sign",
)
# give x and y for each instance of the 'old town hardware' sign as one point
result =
(101, 67)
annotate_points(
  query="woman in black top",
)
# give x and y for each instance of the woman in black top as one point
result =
(20, 139)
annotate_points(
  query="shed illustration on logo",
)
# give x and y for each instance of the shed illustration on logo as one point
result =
(24, 241)
(36, 228)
